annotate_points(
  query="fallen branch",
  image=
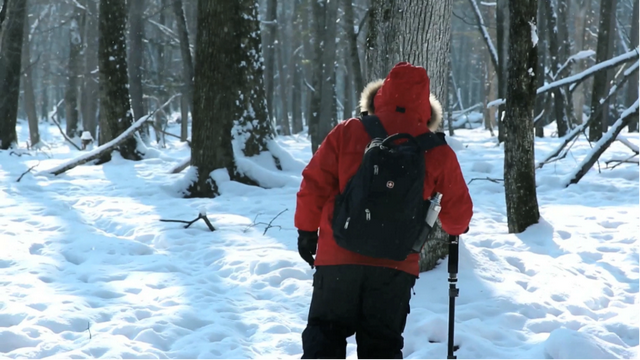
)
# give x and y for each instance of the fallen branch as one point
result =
(581, 128)
(575, 80)
(628, 144)
(166, 132)
(497, 181)
(100, 150)
(110, 146)
(53, 118)
(268, 225)
(19, 154)
(603, 144)
(28, 171)
(202, 216)
(181, 166)
(629, 160)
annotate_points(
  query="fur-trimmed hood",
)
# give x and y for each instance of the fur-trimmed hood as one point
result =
(369, 93)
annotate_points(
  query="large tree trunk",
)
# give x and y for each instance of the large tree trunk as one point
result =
(632, 92)
(327, 104)
(542, 99)
(519, 167)
(355, 69)
(600, 79)
(284, 122)
(187, 68)
(270, 55)
(11, 37)
(227, 34)
(115, 109)
(418, 32)
(136, 49)
(27, 86)
(90, 93)
(555, 53)
(254, 122)
(319, 15)
(503, 22)
(73, 72)
(296, 69)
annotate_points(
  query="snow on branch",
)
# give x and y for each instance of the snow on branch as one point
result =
(485, 34)
(111, 145)
(602, 144)
(100, 150)
(580, 129)
(629, 144)
(575, 80)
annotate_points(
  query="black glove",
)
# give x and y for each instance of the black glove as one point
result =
(307, 243)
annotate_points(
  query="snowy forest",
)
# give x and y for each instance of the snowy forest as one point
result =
(123, 120)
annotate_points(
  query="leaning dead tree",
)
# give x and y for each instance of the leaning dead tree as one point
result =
(603, 144)
(573, 135)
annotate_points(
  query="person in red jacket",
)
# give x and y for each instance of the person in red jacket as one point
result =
(353, 293)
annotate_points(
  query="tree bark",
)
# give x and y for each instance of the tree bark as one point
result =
(541, 100)
(73, 72)
(136, 49)
(90, 94)
(254, 123)
(519, 166)
(296, 68)
(555, 53)
(319, 15)
(270, 55)
(10, 62)
(328, 87)
(600, 83)
(285, 124)
(187, 68)
(355, 68)
(632, 90)
(503, 22)
(115, 109)
(227, 34)
(27, 86)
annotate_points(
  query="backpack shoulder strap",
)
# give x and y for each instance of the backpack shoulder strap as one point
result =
(374, 126)
(430, 140)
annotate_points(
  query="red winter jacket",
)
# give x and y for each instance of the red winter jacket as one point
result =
(340, 154)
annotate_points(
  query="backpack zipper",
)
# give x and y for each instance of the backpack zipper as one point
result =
(367, 214)
(375, 169)
(346, 224)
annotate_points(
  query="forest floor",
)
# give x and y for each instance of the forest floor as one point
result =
(87, 270)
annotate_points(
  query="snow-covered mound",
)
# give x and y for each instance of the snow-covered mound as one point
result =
(87, 270)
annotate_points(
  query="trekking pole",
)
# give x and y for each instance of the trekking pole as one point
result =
(453, 290)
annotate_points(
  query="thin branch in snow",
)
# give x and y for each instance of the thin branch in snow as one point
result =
(497, 181)
(28, 171)
(189, 223)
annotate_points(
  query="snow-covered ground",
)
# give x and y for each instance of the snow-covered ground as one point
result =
(88, 270)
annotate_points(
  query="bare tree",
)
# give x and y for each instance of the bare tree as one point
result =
(187, 68)
(11, 36)
(600, 80)
(90, 93)
(632, 92)
(115, 109)
(27, 86)
(136, 36)
(519, 167)
(73, 73)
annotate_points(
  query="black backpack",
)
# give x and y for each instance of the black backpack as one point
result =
(381, 212)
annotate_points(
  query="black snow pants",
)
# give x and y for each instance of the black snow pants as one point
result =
(368, 301)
